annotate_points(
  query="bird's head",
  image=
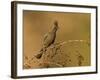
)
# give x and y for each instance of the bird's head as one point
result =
(56, 25)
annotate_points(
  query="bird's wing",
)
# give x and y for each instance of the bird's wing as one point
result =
(45, 37)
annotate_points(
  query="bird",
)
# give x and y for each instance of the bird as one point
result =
(49, 39)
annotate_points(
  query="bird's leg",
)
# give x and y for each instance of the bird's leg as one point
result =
(53, 49)
(44, 49)
(44, 52)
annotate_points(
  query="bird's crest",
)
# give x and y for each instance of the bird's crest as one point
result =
(56, 24)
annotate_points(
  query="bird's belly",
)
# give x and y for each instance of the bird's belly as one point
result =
(50, 40)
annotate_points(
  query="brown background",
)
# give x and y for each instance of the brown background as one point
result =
(73, 26)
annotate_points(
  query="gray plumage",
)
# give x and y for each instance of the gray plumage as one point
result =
(49, 39)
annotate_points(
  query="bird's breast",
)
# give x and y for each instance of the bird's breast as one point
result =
(50, 39)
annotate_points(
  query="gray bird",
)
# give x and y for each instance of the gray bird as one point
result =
(49, 39)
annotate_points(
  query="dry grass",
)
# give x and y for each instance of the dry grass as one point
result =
(56, 57)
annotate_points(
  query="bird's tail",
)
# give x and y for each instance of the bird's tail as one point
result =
(38, 56)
